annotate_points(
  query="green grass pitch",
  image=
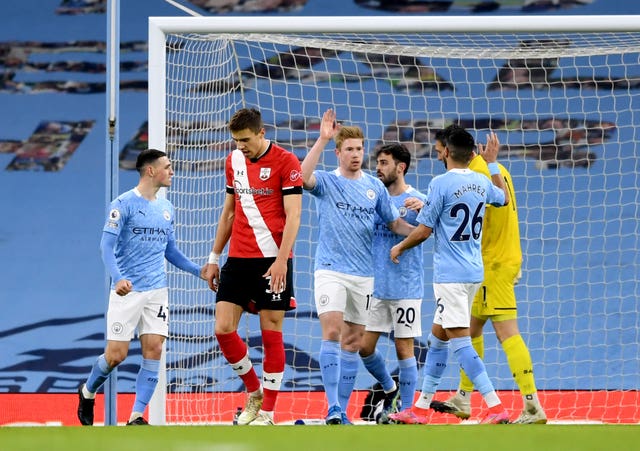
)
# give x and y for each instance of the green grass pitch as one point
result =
(329, 438)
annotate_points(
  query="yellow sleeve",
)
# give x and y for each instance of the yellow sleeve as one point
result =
(500, 228)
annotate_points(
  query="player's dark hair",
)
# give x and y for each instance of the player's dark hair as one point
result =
(147, 157)
(441, 135)
(398, 152)
(460, 144)
(246, 118)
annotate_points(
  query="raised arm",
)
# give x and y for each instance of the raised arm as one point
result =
(328, 129)
(489, 152)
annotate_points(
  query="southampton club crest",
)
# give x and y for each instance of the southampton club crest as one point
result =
(265, 173)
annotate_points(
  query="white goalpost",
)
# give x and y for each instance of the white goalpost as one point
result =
(561, 92)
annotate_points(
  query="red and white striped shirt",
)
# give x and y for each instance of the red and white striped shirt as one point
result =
(259, 186)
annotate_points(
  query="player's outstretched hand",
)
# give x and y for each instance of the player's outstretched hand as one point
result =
(328, 126)
(489, 151)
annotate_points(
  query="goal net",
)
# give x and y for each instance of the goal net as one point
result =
(565, 107)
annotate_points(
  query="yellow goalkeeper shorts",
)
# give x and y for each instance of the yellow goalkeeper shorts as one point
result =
(496, 299)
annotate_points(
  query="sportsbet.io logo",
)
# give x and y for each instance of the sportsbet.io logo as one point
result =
(117, 328)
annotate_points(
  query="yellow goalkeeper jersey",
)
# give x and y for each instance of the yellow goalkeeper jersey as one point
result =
(500, 229)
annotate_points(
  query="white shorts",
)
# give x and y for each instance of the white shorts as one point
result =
(338, 292)
(402, 316)
(454, 301)
(146, 311)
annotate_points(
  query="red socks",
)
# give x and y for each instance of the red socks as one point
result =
(235, 351)
(272, 368)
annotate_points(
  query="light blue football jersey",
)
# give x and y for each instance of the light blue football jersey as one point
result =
(404, 280)
(346, 211)
(143, 229)
(455, 207)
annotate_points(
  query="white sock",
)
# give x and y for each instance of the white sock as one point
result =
(86, 393)
(491, 399)
(531, 400)
(424, 401)
(393, 389)
(135, 415)
(464, 395)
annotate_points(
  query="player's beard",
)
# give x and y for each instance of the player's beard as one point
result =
(387, 180)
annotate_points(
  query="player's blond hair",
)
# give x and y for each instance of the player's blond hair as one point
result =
(348, 132)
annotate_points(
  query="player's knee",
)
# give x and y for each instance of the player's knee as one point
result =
(364, 353)
(153, 351)
(115, 358)
(115, 353)
(223, 329)
(404, 350)
(331, 334)
(351, 343)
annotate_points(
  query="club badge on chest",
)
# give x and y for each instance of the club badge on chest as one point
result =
(265, 173)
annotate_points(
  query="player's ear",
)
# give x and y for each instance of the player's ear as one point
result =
(445, 153)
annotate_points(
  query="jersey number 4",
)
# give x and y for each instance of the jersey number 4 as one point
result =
(162, 313)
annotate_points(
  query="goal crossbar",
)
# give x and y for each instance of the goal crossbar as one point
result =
(394, 24)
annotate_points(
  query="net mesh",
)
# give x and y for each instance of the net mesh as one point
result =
(565, 109)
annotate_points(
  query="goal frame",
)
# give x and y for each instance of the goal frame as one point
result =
(160, 27)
